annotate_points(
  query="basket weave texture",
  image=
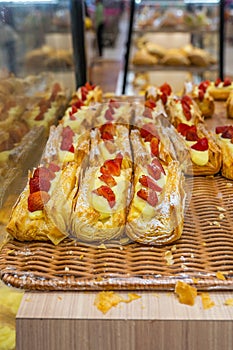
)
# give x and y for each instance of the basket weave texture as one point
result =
(205, 248)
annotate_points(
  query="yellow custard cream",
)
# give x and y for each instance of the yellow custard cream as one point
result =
(227, 142)
(100, 204)
(198, 157)
(141, 207)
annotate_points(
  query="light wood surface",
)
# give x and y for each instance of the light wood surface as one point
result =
(49, 321)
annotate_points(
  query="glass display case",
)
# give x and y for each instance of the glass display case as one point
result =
(42, 61)
(174, 36)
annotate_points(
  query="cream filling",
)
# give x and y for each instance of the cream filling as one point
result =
(178, 112)
(197, 157)
(66, 156)
(227, 142)
(140, 207)
(101, 204)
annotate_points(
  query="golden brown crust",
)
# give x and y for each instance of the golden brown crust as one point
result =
(229, 106)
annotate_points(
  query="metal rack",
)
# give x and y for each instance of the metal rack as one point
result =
(220, 31)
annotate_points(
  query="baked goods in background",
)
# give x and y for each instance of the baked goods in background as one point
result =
(229, 105)
(224, 136)
(48, 57)
(187, 55)
(201, 96)
(220, 90)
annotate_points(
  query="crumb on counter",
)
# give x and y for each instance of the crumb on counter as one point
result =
(186, 293)
(207, 303)
(104, 301)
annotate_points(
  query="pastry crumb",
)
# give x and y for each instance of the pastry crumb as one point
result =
(221, 216)
(186, 293)
(104, 301)
(207, 303)
(220, 276)
(229, 184)
(102, 246)
(216, 223)
(169, 257)
(81, 257)
(229, 302)
(220, 208)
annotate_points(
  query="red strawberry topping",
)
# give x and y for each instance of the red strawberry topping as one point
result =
(201, 95)
(39, 184)
(114, 104)
(166, 89)
(112, 167)
(221, 129)
(147, 113)
(148, 131)
(204, 85)
(149, 196)
(227, 82)
(201, 145)
(108, 179)
(151, 104)
(44, 172)
(228, 133)
(217, 81)
(108, 115)
(67, 139)
(154, 146)
(37, 200)
(149, 183)
(107, 193)
(53, 167)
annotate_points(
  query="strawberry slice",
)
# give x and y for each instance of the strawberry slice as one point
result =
(217, 82)
(154, 146)
(148, 129)
(37, 200)
(164, 98)
(89, 86)
(146, 181)
(39, 184)
(201, 145)
(228, 133)
(84, 93)
(110, 128)
(67, 139)
(43, 172)
(227, 82)
(182, 128)
(108, 115)
(187, 100)
(114, 103)
(166, 89)
(78, 104)
(112, 166)
(107, 193)
(147, 113)
(150, 103)
(108, 179)
(53, 167)
(106, 136)
(204, 85)
(201, 95)
(156, 163)
(74, 110)
(186, 110)
(191, 134)
(154, 171)
(149, 196)
(221, 129)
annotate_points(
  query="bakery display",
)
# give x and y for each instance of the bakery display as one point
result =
(224, 136)
(201, 96)
(87, 182)
(220, 90)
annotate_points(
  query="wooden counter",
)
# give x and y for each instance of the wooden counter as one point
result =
(70, 321)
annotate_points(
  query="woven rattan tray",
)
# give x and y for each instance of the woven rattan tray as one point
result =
(206, 248)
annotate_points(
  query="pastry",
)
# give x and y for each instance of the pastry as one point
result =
(43, 209)
(143, 57)
(100, 208)
(204, 152)
(88, 94)
(220, 90)
(175, 57)
(224, 136)
(157, 206)
(201, 96)
(114, 111)
(163, 93)
(183, 110)
(229, 105)
(155, 49)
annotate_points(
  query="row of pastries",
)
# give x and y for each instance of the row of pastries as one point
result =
(117, 169)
